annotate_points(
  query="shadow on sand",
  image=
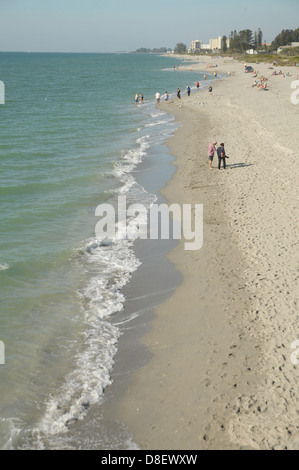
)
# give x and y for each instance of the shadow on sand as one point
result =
(238, 165)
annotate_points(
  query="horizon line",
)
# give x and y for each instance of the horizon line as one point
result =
(66, 52)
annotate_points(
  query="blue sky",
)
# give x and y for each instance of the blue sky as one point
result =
(125, 25)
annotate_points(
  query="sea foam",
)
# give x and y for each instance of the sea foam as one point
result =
(4, 266)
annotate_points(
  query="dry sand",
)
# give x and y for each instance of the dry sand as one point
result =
(221, 376)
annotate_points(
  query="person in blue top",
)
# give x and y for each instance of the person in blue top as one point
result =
(221, 156)
(188, 90)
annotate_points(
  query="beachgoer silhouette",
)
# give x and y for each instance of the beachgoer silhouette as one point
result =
(221, 156)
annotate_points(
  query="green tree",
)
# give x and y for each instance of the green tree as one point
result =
(256, 41)
(180, 48)
(287, 36)
(246, 39)
(259, 38)
(243, 40)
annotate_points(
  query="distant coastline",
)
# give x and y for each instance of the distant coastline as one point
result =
(160, 50)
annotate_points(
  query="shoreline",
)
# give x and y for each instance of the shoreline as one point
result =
(221, 375)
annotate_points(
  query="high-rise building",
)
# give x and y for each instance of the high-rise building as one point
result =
(216, 44)
(195, 45)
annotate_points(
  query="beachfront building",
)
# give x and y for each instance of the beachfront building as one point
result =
(290, 46)
(195, 46)
(216, 44)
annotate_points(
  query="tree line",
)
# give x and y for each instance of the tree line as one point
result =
(160, 50)
(240, 42)
(244, 40)
(286, 37)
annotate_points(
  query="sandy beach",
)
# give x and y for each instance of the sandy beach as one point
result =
(221, 374)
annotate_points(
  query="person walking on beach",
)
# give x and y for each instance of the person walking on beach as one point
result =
(212, 150)
(221, 156)
(188, 90)
(197, 85)
(158, 97)
(166, 96)
(178, 93)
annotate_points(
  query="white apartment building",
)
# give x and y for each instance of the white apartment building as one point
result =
(195, 46)
(216, 44)
(293, 44)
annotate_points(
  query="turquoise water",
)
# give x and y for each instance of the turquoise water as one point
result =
(71, 137)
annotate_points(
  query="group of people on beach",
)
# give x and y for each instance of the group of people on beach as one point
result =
(139, 96)
(220, 153)
(178, 93)
(158, 97)
(280, 73)
(261, 83)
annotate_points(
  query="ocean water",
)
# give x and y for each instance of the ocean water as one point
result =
(71, 139)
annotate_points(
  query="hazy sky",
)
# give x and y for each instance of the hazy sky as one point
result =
(125, 25)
